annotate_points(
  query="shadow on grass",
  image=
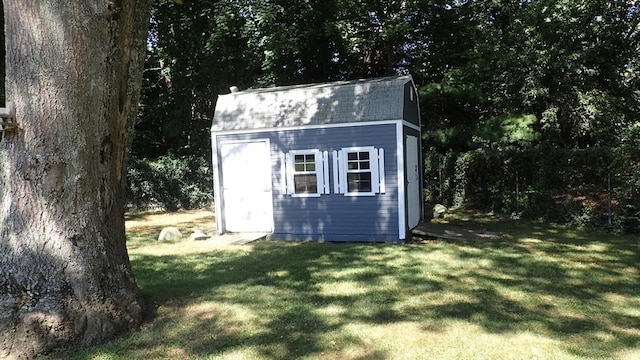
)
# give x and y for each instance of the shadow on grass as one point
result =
(281, 283)
(571, 288)
(568, 284)
(287, 300)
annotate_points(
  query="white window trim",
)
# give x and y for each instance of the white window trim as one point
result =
(340, 171)
(287, 169)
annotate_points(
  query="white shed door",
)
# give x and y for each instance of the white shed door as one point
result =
(413, 181)
(246, 182)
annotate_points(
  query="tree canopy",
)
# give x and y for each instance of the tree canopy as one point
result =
(490, 72)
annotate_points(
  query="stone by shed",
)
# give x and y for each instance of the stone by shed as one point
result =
(335, 161)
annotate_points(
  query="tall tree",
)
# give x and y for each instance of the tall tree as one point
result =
(300, 41)
(570, 65)
(566, 63)
(378, 34)
(73, 74)
(2, 58)
(197, 50)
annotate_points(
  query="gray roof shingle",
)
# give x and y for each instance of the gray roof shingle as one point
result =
(312, 104)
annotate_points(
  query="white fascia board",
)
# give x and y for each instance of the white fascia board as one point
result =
(324, 126)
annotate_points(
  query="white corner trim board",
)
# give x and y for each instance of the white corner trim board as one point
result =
(402, 226)
(217, 189)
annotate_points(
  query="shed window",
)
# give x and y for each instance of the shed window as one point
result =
(304, 173)
(305, 177)
(359, 171)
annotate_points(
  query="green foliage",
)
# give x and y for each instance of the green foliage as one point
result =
(571, 64)
(629, 221)
(170, 182)
(450, 112)
(196, 51)
(568, 186)
(295, 41)
(509, 130)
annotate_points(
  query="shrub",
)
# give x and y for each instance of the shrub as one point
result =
(562, 185)
(170, 182)
(629, 220)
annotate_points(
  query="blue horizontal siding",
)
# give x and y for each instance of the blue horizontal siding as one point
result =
(332, 217)
(336, 238)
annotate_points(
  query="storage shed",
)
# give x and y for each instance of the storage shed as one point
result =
(336, 161)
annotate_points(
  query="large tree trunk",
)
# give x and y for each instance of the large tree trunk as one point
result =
(74, 70)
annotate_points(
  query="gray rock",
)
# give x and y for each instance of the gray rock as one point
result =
(439, 210)
(170, 234)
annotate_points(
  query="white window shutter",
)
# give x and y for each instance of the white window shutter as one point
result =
(381, 171)
(336, 172)
(283, 173)
(290, 185)
(375, 178)
(319, 171)
(342, 155)
(325, 172)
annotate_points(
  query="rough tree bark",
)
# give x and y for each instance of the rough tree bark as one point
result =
(74, 74)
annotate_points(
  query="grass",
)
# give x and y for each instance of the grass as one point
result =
(539, 292)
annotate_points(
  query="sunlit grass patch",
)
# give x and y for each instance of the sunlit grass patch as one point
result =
(539, 291)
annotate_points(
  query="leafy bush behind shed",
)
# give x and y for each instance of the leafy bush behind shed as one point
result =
(169, 182)
(596, 187)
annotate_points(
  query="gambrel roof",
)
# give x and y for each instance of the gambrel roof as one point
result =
(312, 104)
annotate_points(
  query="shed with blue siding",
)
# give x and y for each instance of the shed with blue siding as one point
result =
(336, 161)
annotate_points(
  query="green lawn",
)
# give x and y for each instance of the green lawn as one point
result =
(539, 292)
